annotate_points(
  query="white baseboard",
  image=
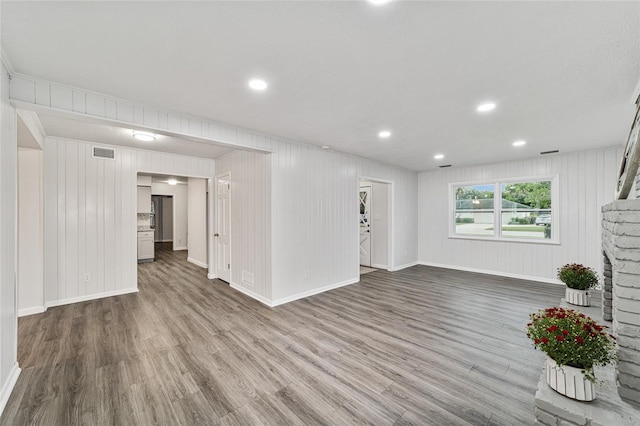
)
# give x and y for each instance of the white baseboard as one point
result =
(377, 266)
(304, 294)
(165, 241)
(211, 276)
(179, 248)
(406, 265)
(197, 262)
(7, 387)
(90, 297)
(497, 273)
(31, 311)
(251, 294)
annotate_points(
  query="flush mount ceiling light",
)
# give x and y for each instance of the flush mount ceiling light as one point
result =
(325, 147)
(519, 143)
(384, 134)
(258, 84)
(438, 156)
(172, 182)
(144, 136)
(379, 2)
(486, 107)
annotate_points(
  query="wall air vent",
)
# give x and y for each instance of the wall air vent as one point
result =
(445, 166)
(106, 153)
(549, 152)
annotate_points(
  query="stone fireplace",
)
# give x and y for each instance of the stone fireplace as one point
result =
(621, 293)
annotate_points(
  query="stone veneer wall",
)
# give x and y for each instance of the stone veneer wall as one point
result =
(621, 245)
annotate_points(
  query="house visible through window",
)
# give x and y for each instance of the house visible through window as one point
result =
(514, 210)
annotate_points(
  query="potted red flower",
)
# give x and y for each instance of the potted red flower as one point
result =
(579, 279)
(574, 343)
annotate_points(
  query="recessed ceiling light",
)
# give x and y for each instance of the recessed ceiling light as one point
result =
(438, 156)
(519, 143)
(379, 2)
(384, 134)
(325, 147)
(144, 136)
(258, 84)
(172, 182)
(489, 106)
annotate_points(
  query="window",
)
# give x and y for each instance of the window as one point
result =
(520, 209)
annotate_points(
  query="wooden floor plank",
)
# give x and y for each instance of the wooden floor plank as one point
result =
(419, 346)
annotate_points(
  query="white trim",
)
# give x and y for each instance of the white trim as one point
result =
(197, 262)
(165, 241)
(179, 248)
(8, 386)
(30, 311)
(251, 294)
(304, 294)
(390, 222)
(31, 120)
(496, 273)
(375, 265)
(90, 297)
(406, 265)
(211, 276)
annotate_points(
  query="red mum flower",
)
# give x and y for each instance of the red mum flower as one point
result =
(565, 332)
(537, 341)
(552, 328)
(560, 337)
(579, 339)
(545, 340)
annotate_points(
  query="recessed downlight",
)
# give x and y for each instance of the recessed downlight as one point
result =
(379, 2)
(438, 156)
(258, 84)
(144, 136)
(172, 182)
(384, 134)
(486, 107)
(519, 143)
(325, 147)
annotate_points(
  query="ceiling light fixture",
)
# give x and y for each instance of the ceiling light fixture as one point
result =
(144, 136)
(172, 182)
(486, 107)
(379, 2)
(438, 156)
(258, 84)
(384, 134)
(519, 143)
(325, 147)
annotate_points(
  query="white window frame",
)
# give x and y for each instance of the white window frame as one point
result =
(497, 209)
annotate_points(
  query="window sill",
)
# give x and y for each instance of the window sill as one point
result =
(506, 240)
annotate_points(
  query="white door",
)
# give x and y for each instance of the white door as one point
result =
(365, 226)
(223, 209)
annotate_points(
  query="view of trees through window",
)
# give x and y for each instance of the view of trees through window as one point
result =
(523, 209)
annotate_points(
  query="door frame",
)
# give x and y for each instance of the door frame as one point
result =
(214, 183)
(390, 227)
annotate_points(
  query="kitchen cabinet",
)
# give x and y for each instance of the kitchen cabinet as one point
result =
(145, 246)
(144, 199)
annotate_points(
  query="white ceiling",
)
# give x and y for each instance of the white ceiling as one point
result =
(61, 126)
(562, 73)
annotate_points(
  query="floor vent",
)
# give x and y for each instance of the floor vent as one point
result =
(106, 153)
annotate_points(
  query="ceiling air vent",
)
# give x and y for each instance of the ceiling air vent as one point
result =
(106, 153)
(445, 166)
(549, 152)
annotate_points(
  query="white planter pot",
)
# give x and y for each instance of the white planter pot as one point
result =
(569, 381)
(578, 297)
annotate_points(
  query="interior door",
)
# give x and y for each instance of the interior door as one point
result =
(365, 226)
(223, 213)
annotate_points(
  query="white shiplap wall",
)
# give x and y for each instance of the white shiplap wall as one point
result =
(250, 226)
(9, 370)
(314, 244)
(587, 182)
(90, 220)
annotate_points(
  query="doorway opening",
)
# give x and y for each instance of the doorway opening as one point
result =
(222, 233)
(375, 234)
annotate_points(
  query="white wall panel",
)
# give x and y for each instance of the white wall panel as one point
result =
(587, 181)
(314, 243)
(90, 216)
(9, 370)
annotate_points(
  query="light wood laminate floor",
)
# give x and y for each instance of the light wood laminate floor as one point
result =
(420, 346)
